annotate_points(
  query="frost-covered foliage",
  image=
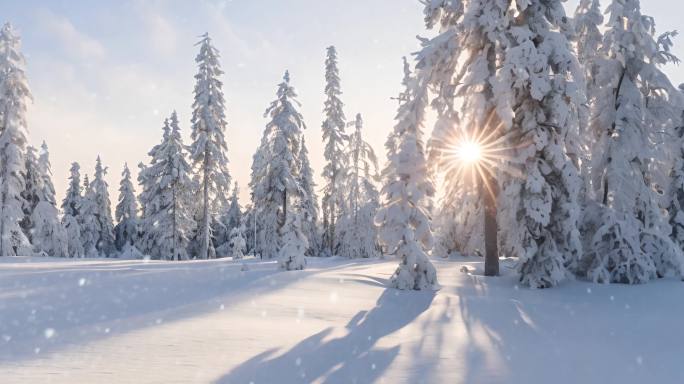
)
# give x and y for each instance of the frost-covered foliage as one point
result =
(208, 150)
(460, 64)
(334, 139)
(537, 91)
(358, 233)
(403, 221)
(588, 36)
(237, 242)
(458, 227)
(275, 172)
(72, 200)
(71, 206)
(95, 219)
(167, 197)
(635, 111)
(41, 222)
(291, 255)
(14, 96)
(309, 202)
(73, 235)
(228, 221)
(126, 212)
(675, 193)
(510, 69)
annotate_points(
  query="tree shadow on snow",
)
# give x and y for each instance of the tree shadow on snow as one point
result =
(71, 307)
(352, 358)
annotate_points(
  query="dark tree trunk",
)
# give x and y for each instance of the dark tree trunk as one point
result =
(488, 191)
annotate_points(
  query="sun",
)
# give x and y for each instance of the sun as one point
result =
(469, 151)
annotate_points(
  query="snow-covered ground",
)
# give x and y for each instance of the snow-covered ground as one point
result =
(129, 321)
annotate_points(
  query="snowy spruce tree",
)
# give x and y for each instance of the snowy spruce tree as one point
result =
(403, 218)
(635, 113)
(71, 207)
(72, 199)
(126, 213)
(539, 86)
(358, 233)
(167, 197)
(309, 202)
(14, 96)
(334, 140)
(226, 223)
(291, 255)
(238, 245)
(97, 227)
(208, 150)
(460, 63)
(42, 224)
(275, 178)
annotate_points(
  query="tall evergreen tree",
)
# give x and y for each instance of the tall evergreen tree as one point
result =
(538, 88)
(334, 138)
(126, 213)
(636, 109)
(41, 221)
(309, 202)
(357, 228)
(403, 218)
(71, 208)
(208, 150)
(167, 197)
(14, 96)
(461, 63)
(72, 199)
(97, 227)
(275, 182)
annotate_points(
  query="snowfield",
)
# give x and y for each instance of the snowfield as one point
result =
(86, 321)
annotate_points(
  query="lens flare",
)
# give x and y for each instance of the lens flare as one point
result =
(469, 151)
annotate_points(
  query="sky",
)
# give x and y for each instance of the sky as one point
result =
(105, 74)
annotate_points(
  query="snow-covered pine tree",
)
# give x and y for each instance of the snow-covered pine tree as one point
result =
(95, 218)
(275, 179)
(539, 86)
(167, 197)
(309, 202)
(14, 96)
(334, 138)
(71, 206)
(636, 110)
(72, 199)
(237, 242)
(32, 182)
(126, 213)
(100, 188)
(44, 229)
(291, 255)
(357, 230)
(74, 243)
(226, 223)
(208, 150)
(250, 230)
(403, 219)
(88, 224)
(460, 64)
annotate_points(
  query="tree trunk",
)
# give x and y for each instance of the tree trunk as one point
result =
(204, 235)
(488, 195)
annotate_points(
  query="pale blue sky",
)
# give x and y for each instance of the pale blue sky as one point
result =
(104, 74)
